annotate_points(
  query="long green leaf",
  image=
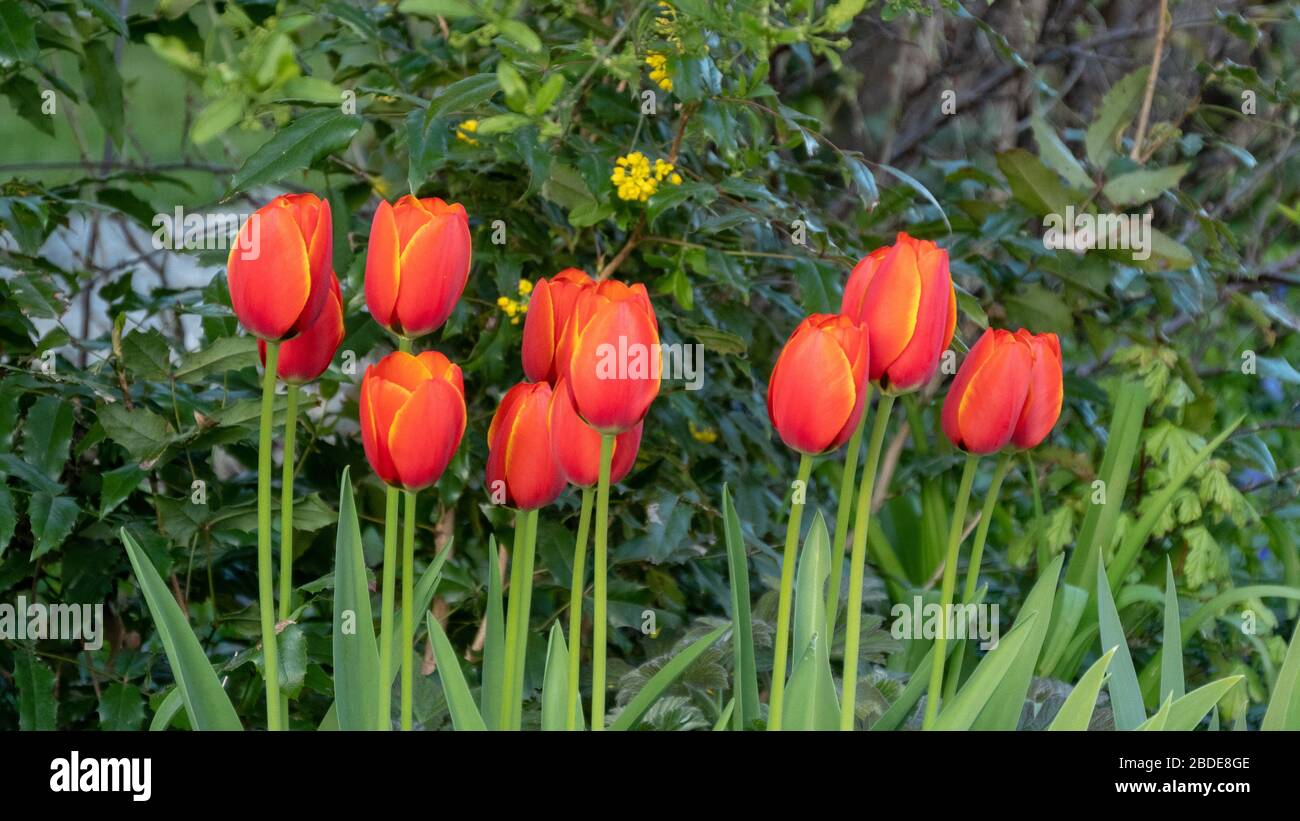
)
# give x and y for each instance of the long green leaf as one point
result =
(206, 704)
(1125, 695)
(425, 589)
(1284, 705)
(745, 671)
(464, 713)
(1067, 610)
(1099, 521)
(811, 688)
(356, 652)
(171, 705)
(1002, 712)
(1187, 711)
(555, 681)
(662, 680)
(1161, 717)
(1171, 666)
(494, 642)
(1076, 712)
(960, 713)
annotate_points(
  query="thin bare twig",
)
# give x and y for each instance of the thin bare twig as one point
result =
(1145, 114)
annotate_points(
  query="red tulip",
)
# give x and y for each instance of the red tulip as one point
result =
(521, 461)
(412, 417)
(279, 268)
(417, 263)
(904, 295)
(577, 446)
(549, 310)
(609, 356)
(307, 355)
(984, 405)
(1046, 393)
(818, 389)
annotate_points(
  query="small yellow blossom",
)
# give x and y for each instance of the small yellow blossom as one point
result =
(525, 287)
(465, 129)
(659, 75)
(636, 180)
(706, 435)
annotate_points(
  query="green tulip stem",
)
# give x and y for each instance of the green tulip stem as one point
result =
(383, 718)
(973, 566)
(858, 561)
(788, 561)
(1044, 558)
(404, 344)
(512, 619)
(575, 609)
(408, 609)
(286, 517)
(599, 625)
(949, 587)
(847, 477)
(265, 568)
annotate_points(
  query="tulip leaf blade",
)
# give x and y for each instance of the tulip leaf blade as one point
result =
(296, 146)
(1002, 712)
(1283, 711)
(1187, 711)
(425, 589)
(811, 700)
(745, 678)
(1157, 721)
(1171, 662)
(355, 648)
(964, 708)
(555, 681)
(1076, 712)
(1099, 521)
(494, 643)
(206, 703)
(464, 713)
(662, 680)
(1125, 693)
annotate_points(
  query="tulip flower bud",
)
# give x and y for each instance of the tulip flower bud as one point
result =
(577, 446)
(818, 389)
(549, 310)
(307, 355)
(1046, 392)
(984, 404)
(521, 467)
(280, 265)
(412, 417)
(417, 264)
(609, 356)
(904, 295)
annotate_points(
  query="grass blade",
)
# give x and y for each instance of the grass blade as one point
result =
(662, 680)
(1125, 695)
(206, 703)
(464, 714)
(1076, 712)
(745, 672)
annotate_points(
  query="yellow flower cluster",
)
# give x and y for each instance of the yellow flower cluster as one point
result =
(658, 63)
(465, 129)
(516, 308)
(705, 435)
(635, 180)
(666, 24)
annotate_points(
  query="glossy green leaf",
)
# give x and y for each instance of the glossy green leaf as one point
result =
(1284, 703)
(37, 707)
(745, 668)
(494, 644)
(1171, 665)
(1187, 711)
(964, 708)
(121, 707)
(555, 681)
(1002, 712)
(1113, 116)
(296, 146)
